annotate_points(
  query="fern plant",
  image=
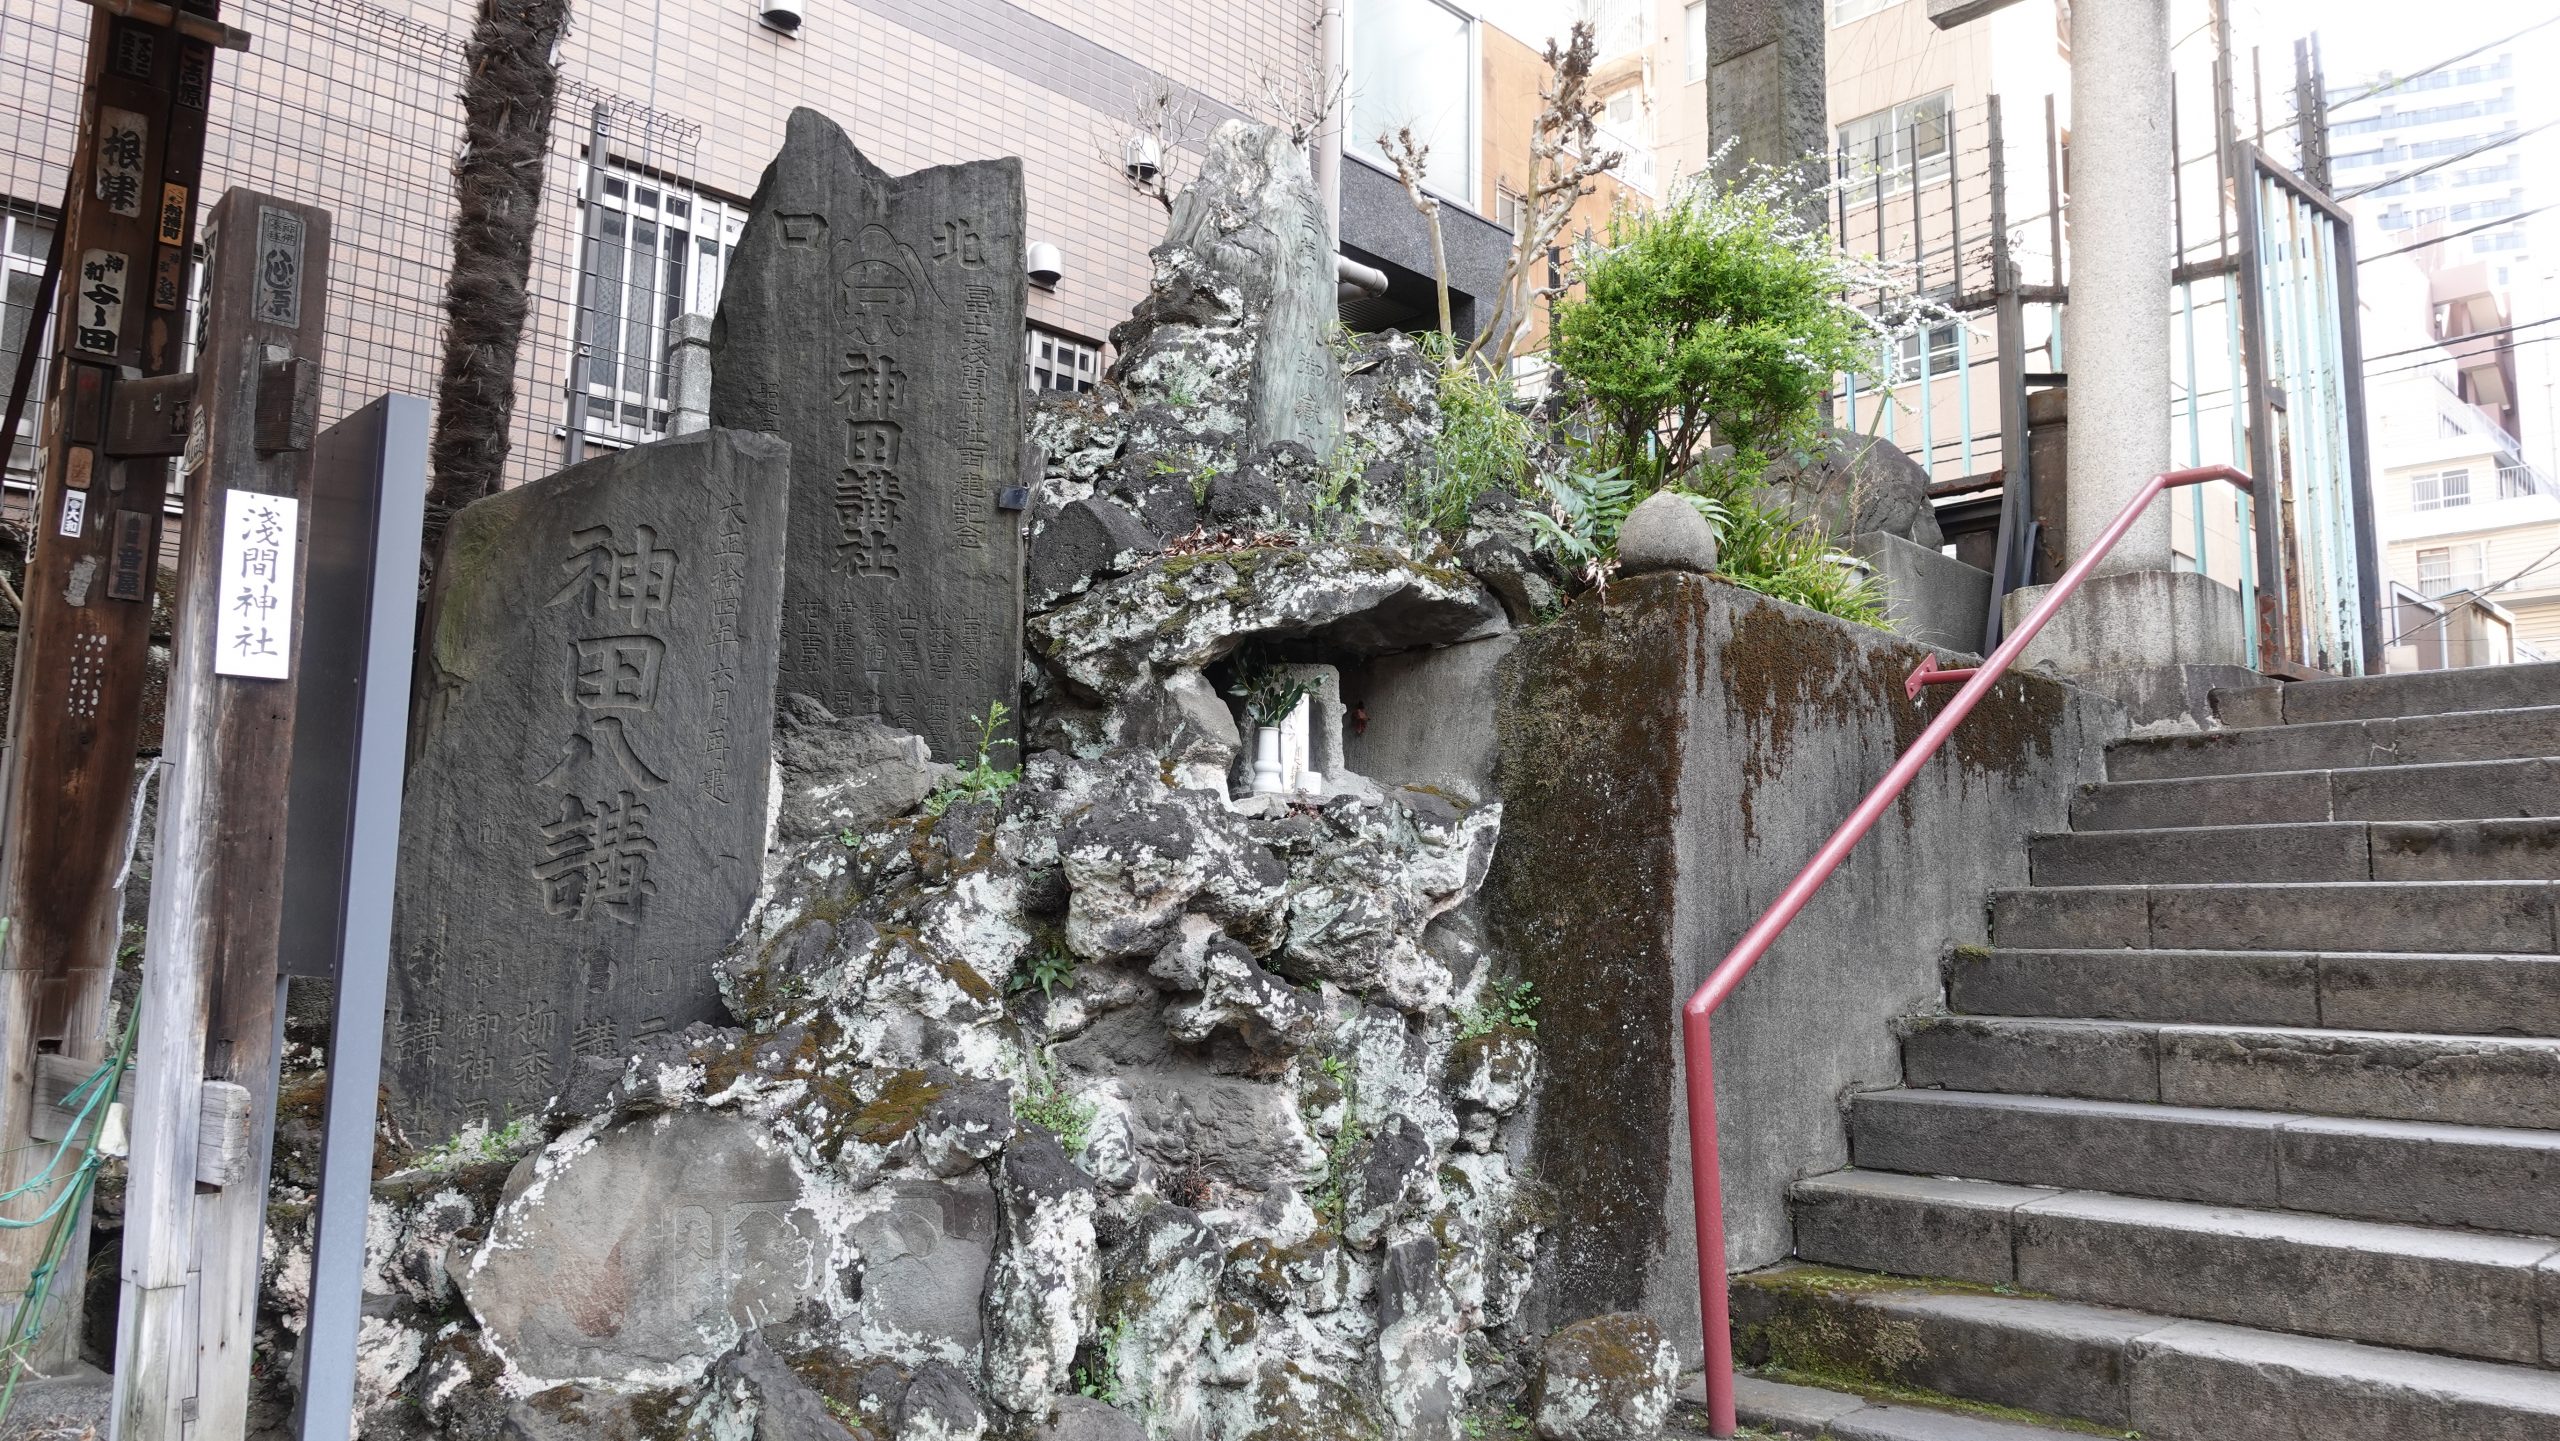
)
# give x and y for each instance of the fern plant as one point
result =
(1577, 514)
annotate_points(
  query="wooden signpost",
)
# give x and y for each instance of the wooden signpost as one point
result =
(84, 638)
(212, 989)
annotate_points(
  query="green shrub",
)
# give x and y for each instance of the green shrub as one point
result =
(1721, 317)
(1761, 546)
(1484, 444)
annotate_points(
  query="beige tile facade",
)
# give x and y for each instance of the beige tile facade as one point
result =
(352, 106)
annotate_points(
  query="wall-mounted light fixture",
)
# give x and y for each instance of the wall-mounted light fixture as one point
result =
(782, 16)
(1143, 158)
(1044, 265)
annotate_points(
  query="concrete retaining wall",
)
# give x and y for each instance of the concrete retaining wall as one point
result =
(1669, 759)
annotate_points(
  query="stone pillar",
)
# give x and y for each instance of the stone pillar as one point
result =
(2157, 639)
(2116, 332)
(1765, 84)
(689, 374)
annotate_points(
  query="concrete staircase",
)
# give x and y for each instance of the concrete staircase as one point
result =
(2248, 1125)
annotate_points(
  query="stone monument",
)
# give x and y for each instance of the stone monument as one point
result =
(585, 811)
(1766, 96)
(649, 1253)
(875, 322)
(1244, 281)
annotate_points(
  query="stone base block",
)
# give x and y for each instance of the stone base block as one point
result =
(2166, 697)
(1930, 597)
(2135, 620)
(2157, 641)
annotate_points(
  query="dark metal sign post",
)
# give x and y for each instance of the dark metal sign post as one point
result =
(350, 738)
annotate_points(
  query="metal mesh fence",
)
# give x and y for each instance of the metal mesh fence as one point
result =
(356, 108)
(1917, 198)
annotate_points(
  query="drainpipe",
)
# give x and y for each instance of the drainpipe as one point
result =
(1331, 37)
(1353, 279)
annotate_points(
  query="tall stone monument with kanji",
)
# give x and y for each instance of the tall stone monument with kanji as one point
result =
(584, 820)
(875, 322)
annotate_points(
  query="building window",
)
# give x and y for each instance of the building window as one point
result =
(654, 250)
(1942, 354)
(2449, 568)
(23, 241)
(1413, 67)
(1693, 24)
(1060, 362)
(1881, 154)
(1844, 11)
(2439, 489)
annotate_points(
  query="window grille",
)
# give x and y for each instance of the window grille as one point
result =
(24, 235)
(2440, 489)
(655, 249)
(2445, 569)
(1060, 362)
(1886, 150)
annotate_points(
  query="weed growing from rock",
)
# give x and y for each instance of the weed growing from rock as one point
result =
(1044, 1103)
(984, 780)
(474, 1145)
(1048, 967)
(1503, 1008)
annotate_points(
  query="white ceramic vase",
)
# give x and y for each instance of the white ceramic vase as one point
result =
(1269, 776)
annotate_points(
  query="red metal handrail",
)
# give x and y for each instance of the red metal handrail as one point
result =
(1706, 1180)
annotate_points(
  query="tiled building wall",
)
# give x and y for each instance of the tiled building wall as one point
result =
(351, 105)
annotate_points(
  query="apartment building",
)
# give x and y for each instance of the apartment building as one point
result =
(2470, 527)
(2446, 172)
(352, 104)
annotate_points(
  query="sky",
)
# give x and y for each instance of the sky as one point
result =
(2358, 37)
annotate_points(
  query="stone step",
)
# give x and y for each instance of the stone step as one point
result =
(2415, 693)
(2164, 1378)
(2485, 735)
(2458, 790)
(2463, 1293)
(2396, 916)
(2414, 1172)
(2384, 1075)
(2302, 851)
(1812, 1413)
(2461, 995)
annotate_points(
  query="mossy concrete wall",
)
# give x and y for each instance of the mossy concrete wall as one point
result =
(1670, 758)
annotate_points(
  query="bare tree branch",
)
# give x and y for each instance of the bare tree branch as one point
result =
(1145, 142)
(1298, 101)
(1564, 160)
(1412, 159)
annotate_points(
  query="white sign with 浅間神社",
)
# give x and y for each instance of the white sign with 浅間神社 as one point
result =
(253, 634)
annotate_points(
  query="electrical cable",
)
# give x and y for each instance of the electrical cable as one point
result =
(2457, 235)
(2430, 364)
(2466, 335)
(2495, 142)
(2480, 593)
(2396, 81)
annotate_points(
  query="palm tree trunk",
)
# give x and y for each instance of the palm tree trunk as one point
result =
(508, 94)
